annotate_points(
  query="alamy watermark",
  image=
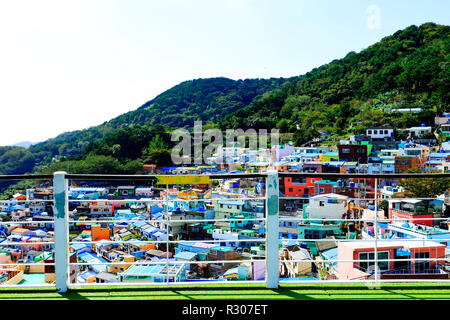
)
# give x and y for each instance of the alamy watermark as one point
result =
(207, 146)
(373, 21)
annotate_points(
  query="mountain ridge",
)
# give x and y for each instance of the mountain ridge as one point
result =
(413, 62)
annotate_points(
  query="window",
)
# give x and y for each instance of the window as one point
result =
(382, 265)
(291, 190)
(322, 190)
(345, 150)
(369, 131)
(312, 234)
(422, 266)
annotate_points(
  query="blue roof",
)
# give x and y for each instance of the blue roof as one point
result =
(231, 202)
(157, 215)
(434, 162)
(330, 154)
(86, 275)
(185, 255)
(79, 246)
(144, 270)
(139, 224)
(90, 257)
(123, 211)
(18, 207)
(159, 233)
(439, 155)
(330, 254)
(151, 230)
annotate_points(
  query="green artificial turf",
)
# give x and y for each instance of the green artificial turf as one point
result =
(387, 291)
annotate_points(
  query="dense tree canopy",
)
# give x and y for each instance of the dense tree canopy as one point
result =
(425, 187)
(409, 69)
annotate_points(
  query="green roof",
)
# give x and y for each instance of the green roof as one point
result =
(223, 249)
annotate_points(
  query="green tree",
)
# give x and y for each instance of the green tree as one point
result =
(425, 187)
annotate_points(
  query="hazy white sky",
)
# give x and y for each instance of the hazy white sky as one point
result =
(67, 65)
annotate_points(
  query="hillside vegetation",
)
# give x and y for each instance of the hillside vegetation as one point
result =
(406, 70)
(409, 69)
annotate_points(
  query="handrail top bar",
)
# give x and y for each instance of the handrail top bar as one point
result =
(366, 175)
(155, 176)
(230, 175)
(264, 174)
(27, 177)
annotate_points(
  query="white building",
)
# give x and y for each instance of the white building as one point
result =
(380, 133)
(418, 131)
(326, 206)
(144, 192)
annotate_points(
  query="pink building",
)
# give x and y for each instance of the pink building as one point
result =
(390, 250)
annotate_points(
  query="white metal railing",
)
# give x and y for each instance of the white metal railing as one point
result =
(271, 222)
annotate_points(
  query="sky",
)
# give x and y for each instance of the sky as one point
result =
(68, 65)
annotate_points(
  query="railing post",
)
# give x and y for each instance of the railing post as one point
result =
(272, 239)
(60, 187)
(376, 232)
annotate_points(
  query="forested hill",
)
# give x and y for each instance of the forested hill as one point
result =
(208, 100)
(408, 69)
(411, 68)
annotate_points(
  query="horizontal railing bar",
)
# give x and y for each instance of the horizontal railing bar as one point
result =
(162, 283)
(366, 175)
(363, 260)
(354, 219)
(368, 240)
(164, 241)
(154, 177)
(27, 177)
(26, 264)
(26, 285)
(260, 175)
(27, 201)
(170, 200)
(170, 262)
(25, 222)
(147, 262)
(250, 219)
(360, 199)
(24, 243)
(368, 281)
(166, 220)
(243, 199)
(171, 220)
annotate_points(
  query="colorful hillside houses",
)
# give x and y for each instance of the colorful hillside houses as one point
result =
(415, 211)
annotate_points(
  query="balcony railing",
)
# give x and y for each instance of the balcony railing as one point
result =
(148, 270)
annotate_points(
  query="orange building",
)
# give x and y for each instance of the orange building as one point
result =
(404, 163)
(294, 187)
(99, 233)
(116, 268)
